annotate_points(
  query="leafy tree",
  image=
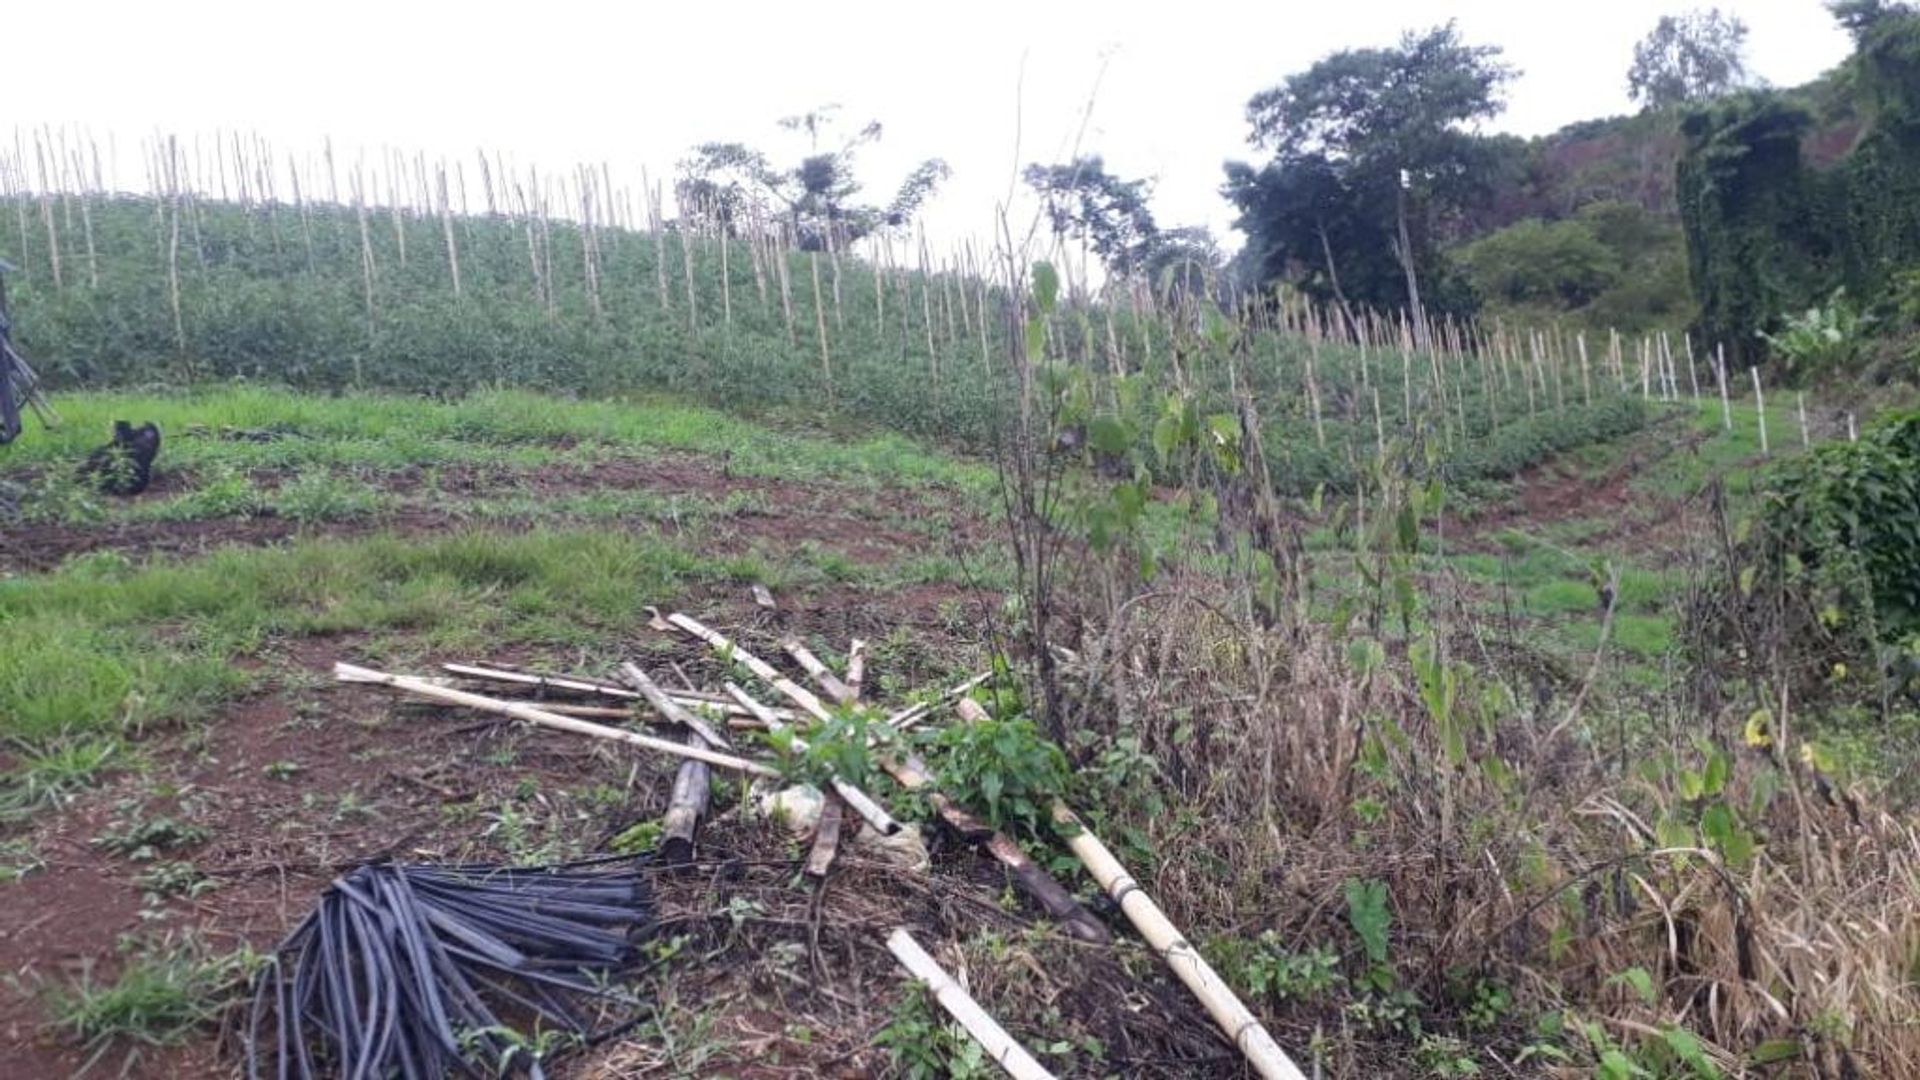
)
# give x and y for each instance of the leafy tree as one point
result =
(1307, 224)
(1085, 202)
(1689, 57)
(1392, 129)
(1184, 260)
(1861, 17)
(723, 182)
(1534, 261)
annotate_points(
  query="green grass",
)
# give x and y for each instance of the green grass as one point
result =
(507, 428)
(163, 995)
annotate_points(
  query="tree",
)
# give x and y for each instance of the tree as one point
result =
(722, 182)
(1085, 202)
(1688, 58)
(1560, 263)
(1860, 17)
(1392, 129)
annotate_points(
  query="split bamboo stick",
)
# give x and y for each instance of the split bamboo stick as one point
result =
(519, 711)
(954, 998)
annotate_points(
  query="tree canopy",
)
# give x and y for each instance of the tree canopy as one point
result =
(1370, 146)
(723, 182)
(1085, 202)
(1690, 57)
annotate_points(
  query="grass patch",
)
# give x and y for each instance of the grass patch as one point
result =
(504, 428)
(162, 996)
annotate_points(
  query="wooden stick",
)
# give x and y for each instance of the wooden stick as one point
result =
(960, 1005)
(692, 790)
(856, 667)
(582, 685)
(821, 674)
(913, 714)
(667, 707)
(422, 688)
(762, 670)
(826, 838)
(863, 804)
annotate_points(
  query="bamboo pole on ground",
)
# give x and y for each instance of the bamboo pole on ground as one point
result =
(818, 671)
(953, 997)
(350, 673)
(1242, 1028)
(578, 685)
(692, 791)
(669, 708)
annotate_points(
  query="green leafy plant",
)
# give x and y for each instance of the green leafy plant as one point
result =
(1006, 768)
(162, 995)
(920, 1045)
(144, 839)
(1819, 341)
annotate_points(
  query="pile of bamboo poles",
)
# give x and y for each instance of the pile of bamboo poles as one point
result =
(705, 721)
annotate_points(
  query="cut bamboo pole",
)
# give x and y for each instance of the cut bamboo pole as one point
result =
(820, 673)
(519, 711)
(859, 801)
(1227, 1010)
(953, 997)
(669, 708)
(762, 670)
(692, 791)
(1242, 1028)
(1806, 436)
(1760, 409)
(575, 684)
(826, 838)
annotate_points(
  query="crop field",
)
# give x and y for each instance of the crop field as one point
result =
(1369, 649)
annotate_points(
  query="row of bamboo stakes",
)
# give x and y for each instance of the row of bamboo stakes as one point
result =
(52, 177)
(705, 747)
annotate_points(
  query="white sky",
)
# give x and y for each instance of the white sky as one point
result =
(564, 81)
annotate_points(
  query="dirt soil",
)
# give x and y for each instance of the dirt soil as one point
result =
(305, 778)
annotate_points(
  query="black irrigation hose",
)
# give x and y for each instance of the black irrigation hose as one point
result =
(419, 972)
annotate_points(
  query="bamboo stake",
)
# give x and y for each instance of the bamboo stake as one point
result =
(422, 688)
(1806, 437)
(1760, 405)
(669, 708)
(1720, 372)
(692, 790)
(820, 323)
(953, 997)
(1586, 378)
(820, 673)
(856, 666)
(826, 839)
(1693, 376)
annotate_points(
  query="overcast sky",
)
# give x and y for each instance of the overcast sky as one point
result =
(986, 85)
